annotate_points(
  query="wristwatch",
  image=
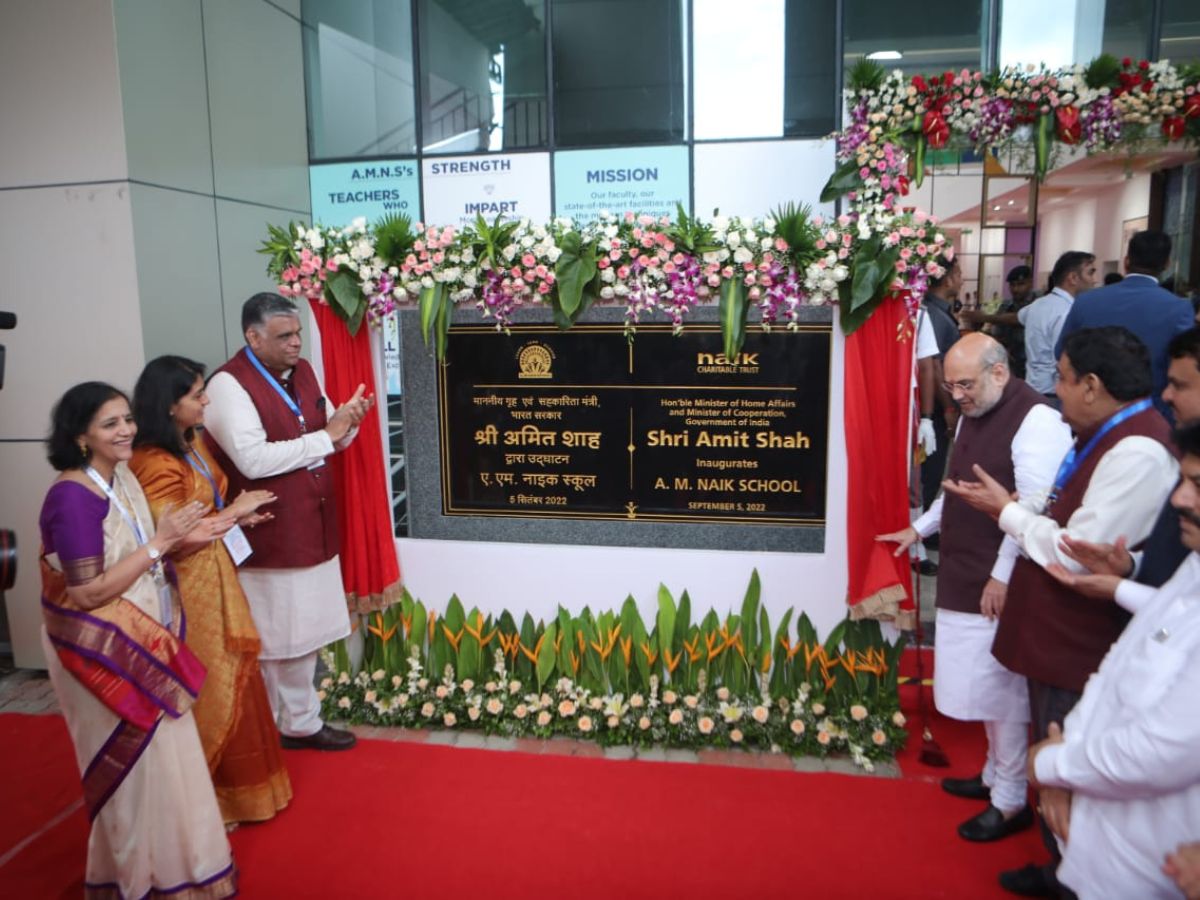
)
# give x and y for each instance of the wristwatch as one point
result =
(153, 552)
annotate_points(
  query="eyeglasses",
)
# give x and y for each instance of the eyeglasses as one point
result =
(966, 385)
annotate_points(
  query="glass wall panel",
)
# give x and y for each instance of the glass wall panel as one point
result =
(1180, 41)
(945, 35)
(619, 72)
(1127, 26)
(359, 77)
(483, 75)
(784, 49)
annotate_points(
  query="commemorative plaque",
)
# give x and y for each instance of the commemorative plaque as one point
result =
(585, 424)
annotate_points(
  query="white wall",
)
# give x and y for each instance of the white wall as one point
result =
(145, 145)
(1093, 223)
(66, 248)
(538, 577)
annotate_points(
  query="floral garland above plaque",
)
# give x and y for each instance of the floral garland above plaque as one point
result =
(652, 264)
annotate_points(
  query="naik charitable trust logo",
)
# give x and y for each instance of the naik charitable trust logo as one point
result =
(534, 361)
(717, 364)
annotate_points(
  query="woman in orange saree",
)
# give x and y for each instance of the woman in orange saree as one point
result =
(114, 637)
(232, 712)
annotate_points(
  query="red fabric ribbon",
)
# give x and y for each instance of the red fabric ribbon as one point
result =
(879, 412)
(370, 570)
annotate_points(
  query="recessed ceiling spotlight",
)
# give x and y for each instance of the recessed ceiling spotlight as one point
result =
(886, 54)
(1010, 202)
(995, 209)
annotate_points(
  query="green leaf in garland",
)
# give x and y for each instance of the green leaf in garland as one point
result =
(564, 321)
(428, 302)
(1043, 135)
(442, 324)
(919, 157)
(865, 278)
(845, 178)
(852, 319)
(576, 266)
(733, 311)
(1102, 72)
(348, 301)
(865, 75)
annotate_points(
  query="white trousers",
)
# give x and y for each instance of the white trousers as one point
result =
(293, 696)
(1004, 771)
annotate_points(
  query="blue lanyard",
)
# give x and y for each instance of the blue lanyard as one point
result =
(131, 519)
(201, 466)
(274, 382)
(1073, 460)
(139, 533)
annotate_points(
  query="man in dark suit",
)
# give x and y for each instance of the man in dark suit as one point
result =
(1138, 303)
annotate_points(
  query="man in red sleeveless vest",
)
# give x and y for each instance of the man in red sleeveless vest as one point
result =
(267, 426)
(1112, 483)
(1011, 431)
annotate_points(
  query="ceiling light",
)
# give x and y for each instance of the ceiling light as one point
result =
(1010, 202)
(995, 209)
(886, 54)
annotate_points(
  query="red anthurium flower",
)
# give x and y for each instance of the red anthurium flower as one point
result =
(1191, 107)
(937, 132)
(1070, 129)
(1172, 127)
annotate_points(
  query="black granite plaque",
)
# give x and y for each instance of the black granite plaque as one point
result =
(585, 424)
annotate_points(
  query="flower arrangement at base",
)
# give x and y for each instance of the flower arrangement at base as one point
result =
(731, 682)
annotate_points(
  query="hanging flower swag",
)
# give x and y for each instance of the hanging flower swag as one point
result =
(774, 265)
(711, 682)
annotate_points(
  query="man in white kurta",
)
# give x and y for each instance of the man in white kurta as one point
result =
(297, 610)
(1127, 760)
(1004, 416)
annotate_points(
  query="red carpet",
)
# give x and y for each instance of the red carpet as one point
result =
(390, 819)
(39, 777)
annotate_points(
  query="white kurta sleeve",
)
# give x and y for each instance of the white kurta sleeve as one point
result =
(1038, 449)
(1126, 492)
(927, 344)
(930, 521)
(1152, 754)
(233, 421)
(1133, 595)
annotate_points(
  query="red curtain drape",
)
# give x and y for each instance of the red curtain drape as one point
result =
(878, 407)
(370, 570)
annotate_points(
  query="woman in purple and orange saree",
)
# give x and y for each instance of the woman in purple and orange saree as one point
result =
(114, 642)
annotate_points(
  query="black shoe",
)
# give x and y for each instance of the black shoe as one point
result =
(971, 788)
(1029, 881)
(326, 739)
(990, 825)
(925, 567)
